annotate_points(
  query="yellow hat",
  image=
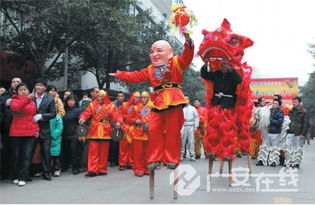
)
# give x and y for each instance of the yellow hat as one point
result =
(103, 92)
(145, 94)
(136, 94)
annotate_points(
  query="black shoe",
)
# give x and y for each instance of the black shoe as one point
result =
(197, 157)
(296, 166)
(112, 164)
(122, 168)
(139, 175)
(90, 174)
(259, 163)
(273, 164)
(227, 158)
(153, 165)
(171, 165)
(211, 155)
(102, 173)
(29, 179)
(129, 167)
(47, 176)
(75, 171)
(64, 169)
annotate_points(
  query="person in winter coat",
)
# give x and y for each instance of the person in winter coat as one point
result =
(56, 127)
(5, 122)
(270, 144)
(71, 145)
(296, 134)
(52, 91)
(23, 131)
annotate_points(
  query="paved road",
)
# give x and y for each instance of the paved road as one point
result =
(123, 187)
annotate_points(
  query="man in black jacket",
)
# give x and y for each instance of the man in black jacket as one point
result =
(269, 150)
(296, 134)
(6, 119)
(225, 82)
(45, 111)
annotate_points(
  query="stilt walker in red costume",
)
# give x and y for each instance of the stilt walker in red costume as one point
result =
(126, 159)
(102, 112)
(165, 75)
(228, 96)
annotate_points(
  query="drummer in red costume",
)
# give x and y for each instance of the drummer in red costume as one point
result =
(165, 75)
(126, 159)
(139, 132)
(102, 112)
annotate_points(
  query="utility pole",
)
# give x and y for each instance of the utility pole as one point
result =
(66, 57)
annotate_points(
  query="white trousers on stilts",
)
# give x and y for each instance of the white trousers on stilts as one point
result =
(269, 150)
(294, 150)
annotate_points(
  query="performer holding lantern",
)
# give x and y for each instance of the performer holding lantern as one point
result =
(165, 75)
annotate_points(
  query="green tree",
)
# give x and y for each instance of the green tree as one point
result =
(308, 95)
(308, 90)
(42, 30)
(122, 42)
(193, 86)
(102, 36)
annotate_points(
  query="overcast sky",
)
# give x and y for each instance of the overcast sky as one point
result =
(281, 30)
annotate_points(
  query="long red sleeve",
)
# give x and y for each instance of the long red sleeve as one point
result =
(88, 112)
(187, 56)
(116, 116)
(133, 77)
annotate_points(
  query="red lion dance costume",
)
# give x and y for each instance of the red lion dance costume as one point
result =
(227, 128)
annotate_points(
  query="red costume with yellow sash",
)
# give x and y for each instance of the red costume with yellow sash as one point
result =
(167, 117)
(140, 138)
(125, 145)
(99, 133)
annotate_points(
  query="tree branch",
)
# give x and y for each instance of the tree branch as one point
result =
(61, 51)
(48, 47)
(130, 64)
(6, 13)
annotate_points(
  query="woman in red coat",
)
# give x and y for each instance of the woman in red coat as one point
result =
(23, 130)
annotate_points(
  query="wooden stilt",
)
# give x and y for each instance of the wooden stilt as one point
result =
(249, 160)
(152, 184)
(221, 167)
(230, 173)
(175, 187)
(210, 168)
